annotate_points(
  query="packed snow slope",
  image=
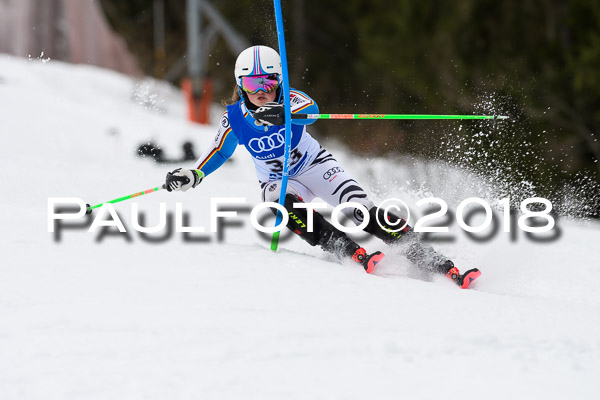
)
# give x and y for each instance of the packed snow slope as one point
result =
(115, 316)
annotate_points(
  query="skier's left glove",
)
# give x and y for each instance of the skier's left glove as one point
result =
(183, 179)
(270, 114)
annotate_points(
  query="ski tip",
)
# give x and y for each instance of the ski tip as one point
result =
(373, 260)
(468, 277)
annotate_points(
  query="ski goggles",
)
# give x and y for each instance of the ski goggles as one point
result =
(255, 83)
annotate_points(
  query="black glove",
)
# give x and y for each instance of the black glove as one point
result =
(270, 114)
(183, 179)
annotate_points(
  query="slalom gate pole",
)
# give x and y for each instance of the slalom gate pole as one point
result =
(129, 196)
(288, 118)
(395, 116)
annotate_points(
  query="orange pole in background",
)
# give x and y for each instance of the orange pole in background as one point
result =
(198, 103)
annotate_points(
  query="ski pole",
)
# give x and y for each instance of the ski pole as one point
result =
(129, 196)
(288, 118)
(394, 116)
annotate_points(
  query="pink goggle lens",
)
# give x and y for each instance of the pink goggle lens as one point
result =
(256, 83)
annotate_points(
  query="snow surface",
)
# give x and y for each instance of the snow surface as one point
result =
(91, 317)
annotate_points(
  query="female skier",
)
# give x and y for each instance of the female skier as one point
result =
(255, 120)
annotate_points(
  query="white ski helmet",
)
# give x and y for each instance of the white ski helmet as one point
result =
(257, 60)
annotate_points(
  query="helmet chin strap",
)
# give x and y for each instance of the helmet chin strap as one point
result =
(279, 94)
(249, 105)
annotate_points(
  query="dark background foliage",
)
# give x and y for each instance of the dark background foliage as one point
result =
(536, 60)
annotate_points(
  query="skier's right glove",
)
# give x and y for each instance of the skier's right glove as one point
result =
(183, 179)
(270, 114)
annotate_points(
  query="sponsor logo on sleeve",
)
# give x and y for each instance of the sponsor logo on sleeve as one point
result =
(218, 137)
(331, 173)
(225, 121)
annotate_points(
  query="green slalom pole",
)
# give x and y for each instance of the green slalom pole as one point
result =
(129, 196)
(394, 116)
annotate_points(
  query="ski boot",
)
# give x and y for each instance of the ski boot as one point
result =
(329, 238)
(368, 261)
(465, 279)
